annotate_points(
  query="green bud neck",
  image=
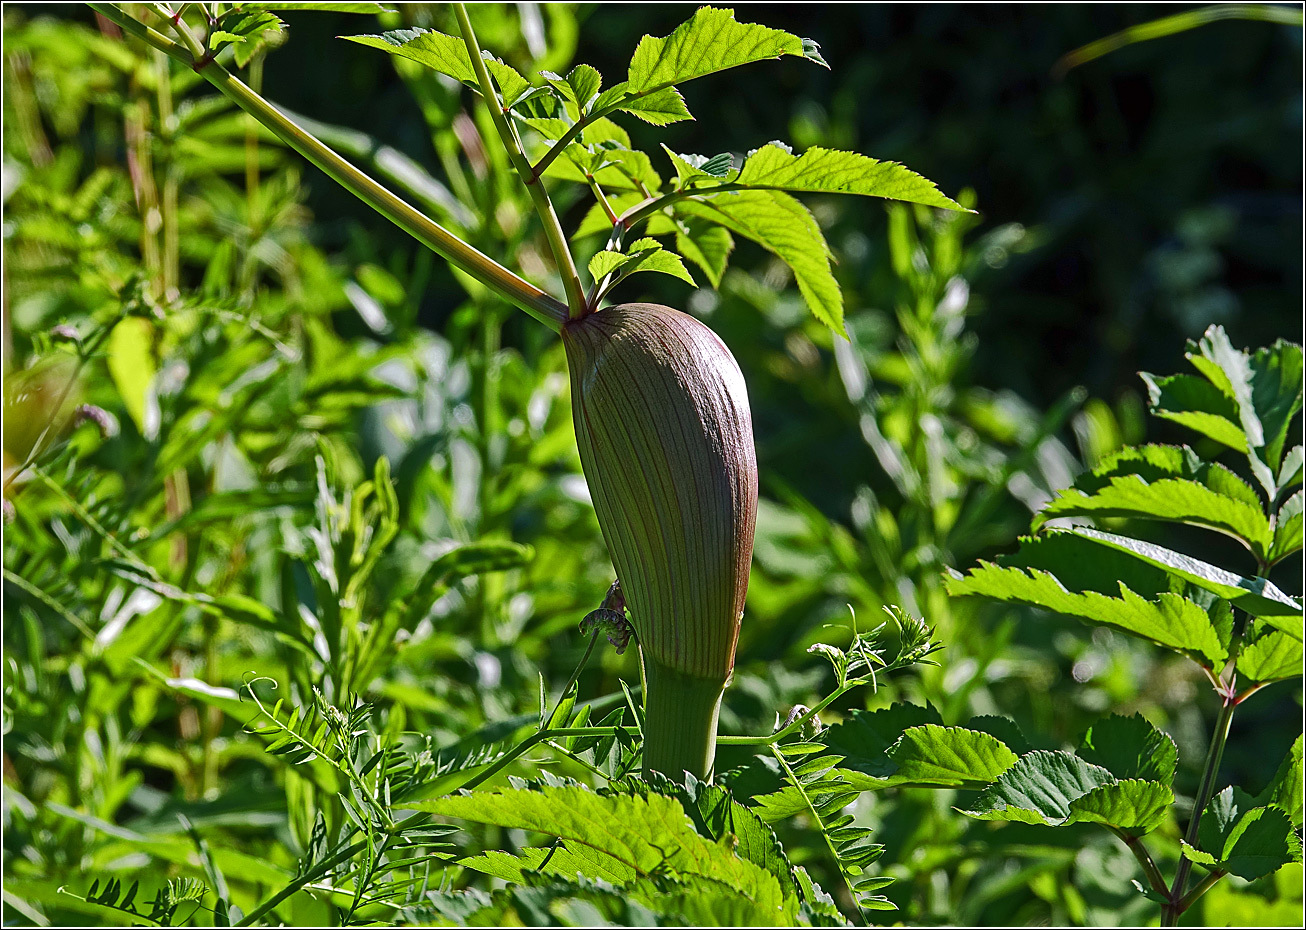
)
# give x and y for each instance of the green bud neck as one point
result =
(680, 721)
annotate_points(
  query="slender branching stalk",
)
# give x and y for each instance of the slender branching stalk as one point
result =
(508, 285)
(539, 196)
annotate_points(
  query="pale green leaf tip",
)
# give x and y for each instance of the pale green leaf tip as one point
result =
(812, 52)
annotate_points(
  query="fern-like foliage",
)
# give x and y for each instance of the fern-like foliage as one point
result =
(823, 794)
(113, 896)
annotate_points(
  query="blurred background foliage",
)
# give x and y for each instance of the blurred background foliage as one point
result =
(260, 342)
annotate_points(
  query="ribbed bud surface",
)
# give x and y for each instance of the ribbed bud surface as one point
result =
(666, 442)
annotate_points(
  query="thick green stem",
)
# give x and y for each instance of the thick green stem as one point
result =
(539, 196)
(680, 718)
(1170, 913)
(506, 284)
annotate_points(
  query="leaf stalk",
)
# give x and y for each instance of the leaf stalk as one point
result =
(1170, 912)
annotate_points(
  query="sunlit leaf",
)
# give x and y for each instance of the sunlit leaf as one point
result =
(643, 255)
(1270, 656)
(1288, 528)
(648, 835)
(1071, 575)
(447, 55)
(1198, 405)
(782, 225)
(710, 41)
(1255, 595)
(821, 170)
(1285, 788)
(1039, 789)
(706, 245)
(1170, 499)
(1130, 747)
(953, 756)
(1246, 839)
(1133, 805)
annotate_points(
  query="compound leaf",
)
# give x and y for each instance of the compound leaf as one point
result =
(644, 255)
(710, 41)
(753, 840)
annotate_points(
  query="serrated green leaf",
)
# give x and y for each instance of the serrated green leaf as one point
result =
(1290, 472)
(602, 150)
(691, 167)
(1153, 463)
(1271, 656)
(782, 225)
(1004, 729)
(241, 26)
(949, 756)
(1130, 747)
(1288, 528)
(820, 170)
(1264, 390)
(1230, 371)
(577, 90)
(447, 55)
(728, 820)
(658, 107)
(644, 255)
(1196, 855)
(711, 40)
(1069, 575)
(865, 737)
(649, 835)
(1170, 499)
(706, 245)
(1273, 393)
(1039, 789)
(1286, 787)
(1198, 405)
(584, 82)
(564, 861)
(1134, 806)
(1245, 839)
(1257, 596)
